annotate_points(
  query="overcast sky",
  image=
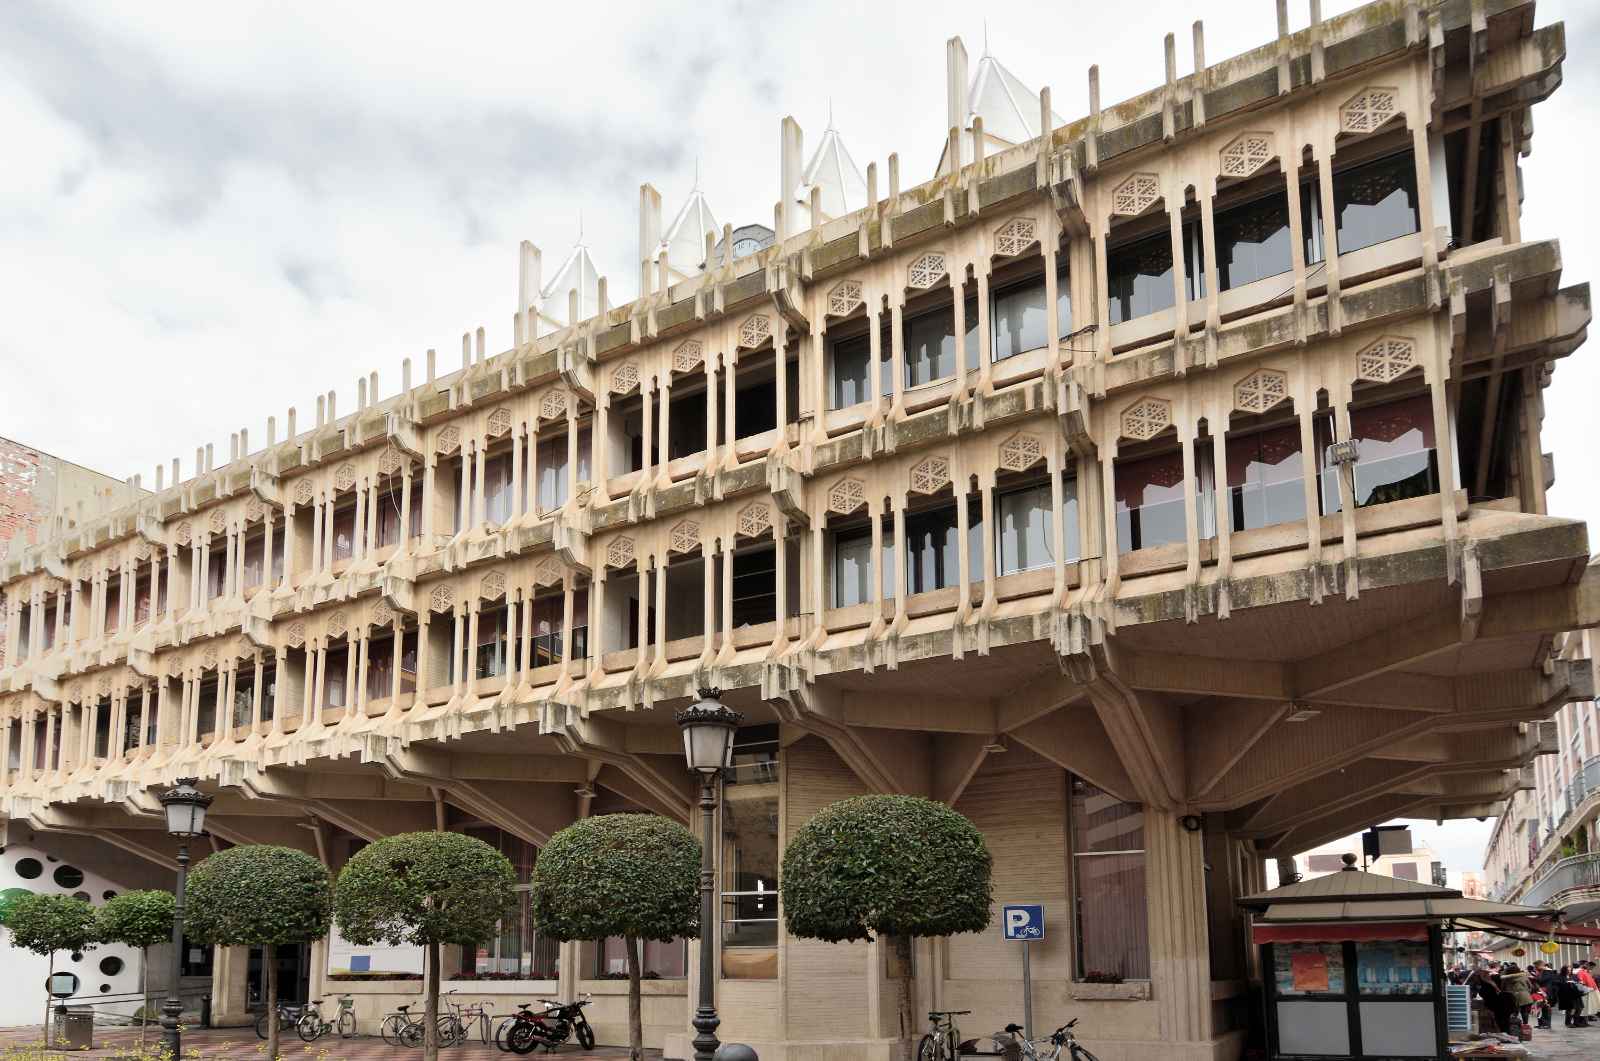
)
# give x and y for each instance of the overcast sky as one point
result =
(212, 212)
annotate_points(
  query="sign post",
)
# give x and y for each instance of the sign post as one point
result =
(1024, 922)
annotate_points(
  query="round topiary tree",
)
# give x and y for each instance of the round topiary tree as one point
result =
(45, 924)
(138, 919)
(425, 888)
(631, 875)
(258, 895)
(899, 866)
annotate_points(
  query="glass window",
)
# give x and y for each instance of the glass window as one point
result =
(851, 361)
(1018, 319)
(755, 756)
(1253, 241)
(750, 882)
(1376, 202)
(852, 568)
(1025, 537)
(1308, 969)
(497, 489)
(1150, 501)
(933, 560)
(1139, 274)
(492, 656)
(1113, 934)
(658, 960)
(1265, 482)
(1395, 451)
(930, 346)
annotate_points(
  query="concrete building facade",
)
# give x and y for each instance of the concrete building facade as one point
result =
(960, 489)
(1545, 848)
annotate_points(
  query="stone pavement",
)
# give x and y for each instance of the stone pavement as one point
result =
(1565, 1044)
(241, 1044)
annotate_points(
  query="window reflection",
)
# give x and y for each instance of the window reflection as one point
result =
(1139, 274)
(1265, 482)
(1376, 202)
(930, 340)
(1396, 458)
(1252, 241)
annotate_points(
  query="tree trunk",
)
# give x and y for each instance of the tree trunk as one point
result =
(635, 1020)
(144, 987)
(48, 976)
(902, 949)
(430, 1009)
(269, 962)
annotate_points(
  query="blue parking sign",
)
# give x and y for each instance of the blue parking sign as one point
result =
(1023, 921)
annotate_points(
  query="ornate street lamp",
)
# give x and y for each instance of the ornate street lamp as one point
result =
(186, 820)
(708, 727)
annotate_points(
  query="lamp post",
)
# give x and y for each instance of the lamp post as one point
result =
(186, 819)
(708, 727)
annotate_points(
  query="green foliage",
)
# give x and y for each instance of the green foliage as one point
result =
(256, 895)
(897, 865)
(8, 899)
(44, 924)
(139, 919)
(430, 887)
(632, 875)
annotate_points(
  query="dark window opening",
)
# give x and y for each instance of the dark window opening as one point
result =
(1253, 241)
(1139, 274)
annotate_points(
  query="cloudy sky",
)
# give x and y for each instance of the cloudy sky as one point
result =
(210, 213)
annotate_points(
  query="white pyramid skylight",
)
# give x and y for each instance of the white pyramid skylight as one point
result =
(685, 241)
(833, 171)
(578, 272)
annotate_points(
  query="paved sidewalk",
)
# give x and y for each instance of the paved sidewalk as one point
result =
(241, 1044)
(1565, 1044)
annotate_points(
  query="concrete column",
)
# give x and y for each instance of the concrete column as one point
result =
(457, 668)
(327, 532)
(255, 695)
(404, 543)
(874, 360)
(464, 501)
(730, 421)
(646, 449)
(572, 449)
(1179, 938)
(780, 363)
(356, 681)
(664, 452)
(397, 645)
(266, 551)
(359, 537)
(289, 545)
(513, 655)
(316, 537)
(710, 366)
(727, 594)
(423, 615)
(479, 494)
(518, 440)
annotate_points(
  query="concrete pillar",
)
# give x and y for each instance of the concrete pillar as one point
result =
(1180, 963)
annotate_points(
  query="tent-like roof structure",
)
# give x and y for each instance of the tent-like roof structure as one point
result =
(685, 242)
(832, 170)
(1009, 109)
(578, 272)
(1348, 885)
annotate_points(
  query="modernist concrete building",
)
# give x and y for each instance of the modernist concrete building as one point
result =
(968, 488)
(1545, 848)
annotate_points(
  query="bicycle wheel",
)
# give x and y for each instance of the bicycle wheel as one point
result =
(392, 1028)
(928, 1049)
(347, 1025)
(310, 1027)
(451, 1033)
(502, 1029)
(1080, 1054)
(585, 1035)
(261, 1026)
(411, 1034)
(524, 1038)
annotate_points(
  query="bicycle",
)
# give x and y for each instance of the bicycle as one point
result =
(943, 1042)
(288, 1017)
(1059, 1040)
(394, 1026)
(460, 1022)
(312, 1026)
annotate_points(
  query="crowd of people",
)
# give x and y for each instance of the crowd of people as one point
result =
(1518, 996)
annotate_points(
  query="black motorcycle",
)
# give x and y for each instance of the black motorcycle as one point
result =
(558, 1022)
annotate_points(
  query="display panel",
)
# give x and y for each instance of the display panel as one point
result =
(1308, 969)
(1306, 1027)
(1393, 968)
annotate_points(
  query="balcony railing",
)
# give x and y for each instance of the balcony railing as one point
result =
(1579, 871)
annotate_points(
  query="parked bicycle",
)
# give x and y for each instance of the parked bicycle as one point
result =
(288, 1017)
(943, 1042)
(395, 1025)
(457, 1026)
(312, 1026)
(1035, 1049)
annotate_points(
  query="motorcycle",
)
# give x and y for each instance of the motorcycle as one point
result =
(558, 1022)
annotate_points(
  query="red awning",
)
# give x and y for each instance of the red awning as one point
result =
(1338, 931)
(1543, 928)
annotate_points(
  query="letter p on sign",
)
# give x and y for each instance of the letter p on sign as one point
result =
(1023, 921)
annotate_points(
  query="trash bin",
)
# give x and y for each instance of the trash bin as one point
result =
(74, 1028)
